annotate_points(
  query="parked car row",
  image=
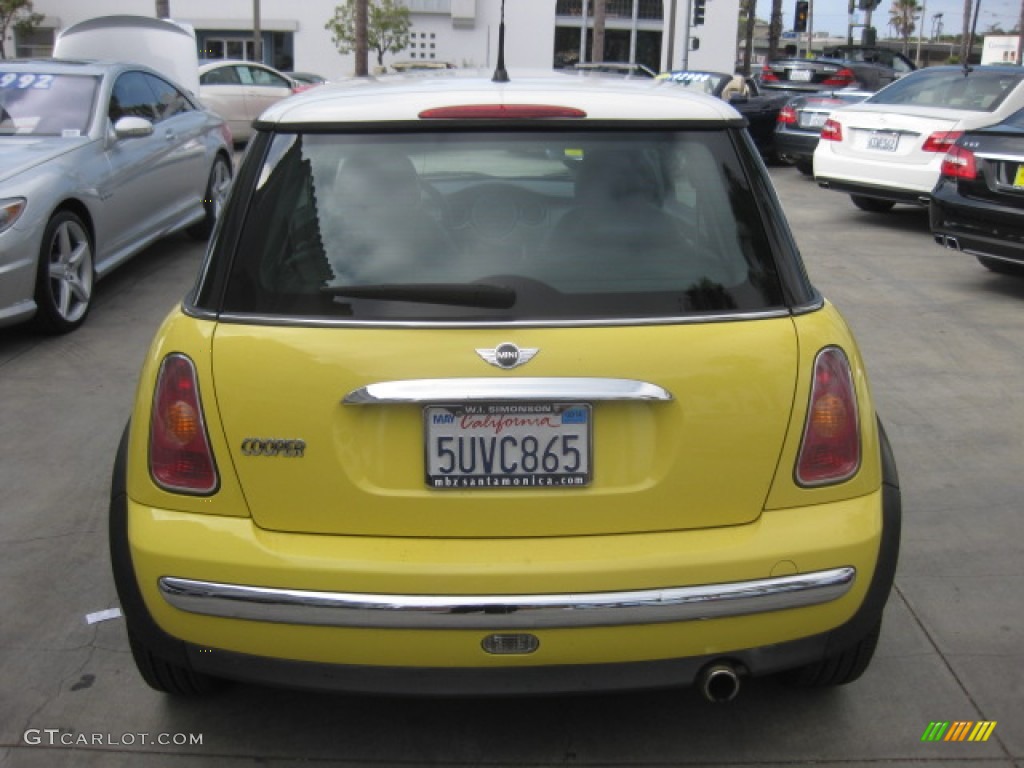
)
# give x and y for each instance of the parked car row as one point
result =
(948, 138)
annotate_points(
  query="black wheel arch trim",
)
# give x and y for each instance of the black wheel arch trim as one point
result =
(138, 620)
(870, 611)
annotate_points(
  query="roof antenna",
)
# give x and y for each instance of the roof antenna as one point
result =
(500, 75)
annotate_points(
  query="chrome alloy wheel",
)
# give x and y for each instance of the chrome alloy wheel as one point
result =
(69, 270)
(220, 183)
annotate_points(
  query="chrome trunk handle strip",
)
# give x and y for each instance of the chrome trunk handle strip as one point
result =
(569, 389)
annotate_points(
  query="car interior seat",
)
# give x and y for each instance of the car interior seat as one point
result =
(377, 229)
(617, 222)
(735, 87)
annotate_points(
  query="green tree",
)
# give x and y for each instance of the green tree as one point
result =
(17, 15)
(387, 27)
(902, 18)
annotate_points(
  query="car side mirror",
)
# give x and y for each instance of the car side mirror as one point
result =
(131, 127)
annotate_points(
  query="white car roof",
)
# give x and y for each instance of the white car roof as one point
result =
(403, 97)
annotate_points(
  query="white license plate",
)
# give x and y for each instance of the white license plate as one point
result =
(813, 119)
(800, 75)
(885, 142)
(508, 445)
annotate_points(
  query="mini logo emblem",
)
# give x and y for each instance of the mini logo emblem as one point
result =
(507, 355)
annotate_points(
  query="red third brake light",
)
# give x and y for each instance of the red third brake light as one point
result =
(960, 163)
(180, 458)
(830, 449)
(832, 131)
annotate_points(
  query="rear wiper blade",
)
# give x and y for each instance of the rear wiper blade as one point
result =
(457, 294)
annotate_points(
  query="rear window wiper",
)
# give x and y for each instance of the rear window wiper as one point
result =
(456, 294)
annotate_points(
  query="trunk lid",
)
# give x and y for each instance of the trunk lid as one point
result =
(309, 462)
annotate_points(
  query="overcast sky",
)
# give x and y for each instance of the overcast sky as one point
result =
(832, 16)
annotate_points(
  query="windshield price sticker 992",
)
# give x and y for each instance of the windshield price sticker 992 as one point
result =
(508, 445)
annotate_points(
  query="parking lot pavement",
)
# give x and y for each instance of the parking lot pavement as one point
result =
(942, 340)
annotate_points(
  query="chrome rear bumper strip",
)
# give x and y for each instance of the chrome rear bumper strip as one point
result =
(500, 612)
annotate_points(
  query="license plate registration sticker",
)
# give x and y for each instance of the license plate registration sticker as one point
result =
(1018, 180)
(886, 142)
(508, 445)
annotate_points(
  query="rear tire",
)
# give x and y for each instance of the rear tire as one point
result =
(840, 669)
(1002, 267)
(872, 204)
(217, 187)
(64, 280)
(806, 167)
(171, 678)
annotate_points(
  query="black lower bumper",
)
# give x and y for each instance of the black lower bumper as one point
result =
(908, 196)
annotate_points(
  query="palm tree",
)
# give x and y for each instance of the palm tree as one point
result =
(965, 42)
(774, 29)
(902, 15)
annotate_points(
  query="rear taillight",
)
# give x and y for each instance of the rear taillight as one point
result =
(832, 131)
(767, 76)
(786, 116)
(180, 458)
(960, 163)
(841, 79)
(941, 141)
(830, 448)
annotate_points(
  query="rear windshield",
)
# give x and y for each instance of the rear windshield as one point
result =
(509, 226)
(978, 91)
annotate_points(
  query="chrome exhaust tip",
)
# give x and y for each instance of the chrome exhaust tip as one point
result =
(719, 682)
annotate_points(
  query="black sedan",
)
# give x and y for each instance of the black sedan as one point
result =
(799, 123)
(842, 69)
(978, 204)
(744, 95)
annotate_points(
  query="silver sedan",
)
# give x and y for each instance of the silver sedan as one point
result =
(99, 161)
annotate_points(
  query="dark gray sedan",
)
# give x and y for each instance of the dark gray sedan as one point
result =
(799, 123)
(99, 161)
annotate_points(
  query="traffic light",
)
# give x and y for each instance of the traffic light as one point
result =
(698, 12)
(800, 20)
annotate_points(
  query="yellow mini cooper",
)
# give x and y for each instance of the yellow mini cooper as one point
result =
(503, 387)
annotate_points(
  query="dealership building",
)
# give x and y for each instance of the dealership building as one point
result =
(660, 34)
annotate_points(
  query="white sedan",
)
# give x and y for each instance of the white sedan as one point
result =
(239, 91)
(889, 148)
